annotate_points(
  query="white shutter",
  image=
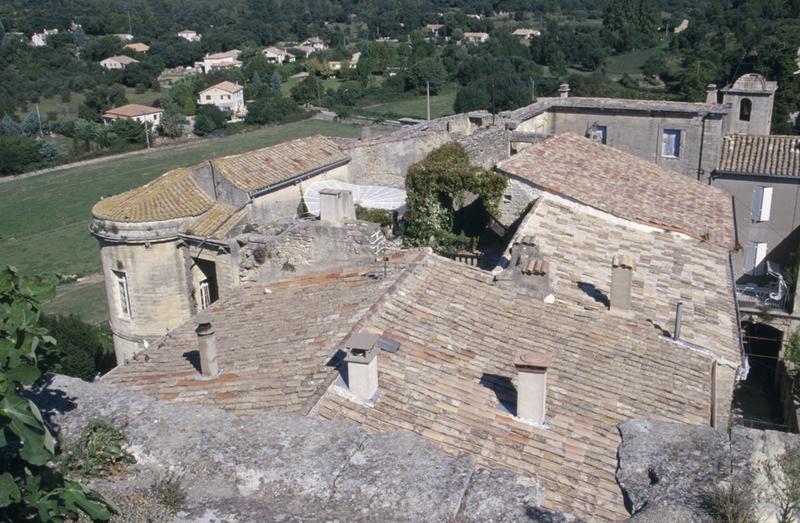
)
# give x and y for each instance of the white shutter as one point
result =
(749, 257)
(761, 253)
(758, 196)
(766, 204)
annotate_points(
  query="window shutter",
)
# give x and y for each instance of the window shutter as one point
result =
(758, 196)
(766, 204)
(761, 253)
(750, 257)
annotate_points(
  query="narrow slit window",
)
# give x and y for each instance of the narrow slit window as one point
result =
(122, 294)
(745, 109)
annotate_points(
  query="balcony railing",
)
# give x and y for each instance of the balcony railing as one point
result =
(751, 296)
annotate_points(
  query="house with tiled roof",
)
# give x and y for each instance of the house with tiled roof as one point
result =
(227, 97)
(173, 246)
(137, 112)
(277, 55)
(139, 47)
(219, 61)
(581, 321)
(118, 62)
(762, 173)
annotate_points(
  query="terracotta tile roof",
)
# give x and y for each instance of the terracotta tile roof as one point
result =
(274, 347)
(767, 155)
(626, 186)
(263, 168)
(138, 46)
(123, 59)
(216, 222)
(132, 110)
(453, 381)
(173, 195)
(233, 53)
(226, 86)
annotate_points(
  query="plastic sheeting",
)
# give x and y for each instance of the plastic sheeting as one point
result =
(369, 196)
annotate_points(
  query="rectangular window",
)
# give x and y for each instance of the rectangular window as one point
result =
(122, 294)
(762, 203)
(671, 143)
(205, 294)
(755, 252)
(208, 97)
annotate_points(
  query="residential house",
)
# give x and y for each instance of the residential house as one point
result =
(140, 113)
(227, 96)
(335, 65)
(423, 344)
(304, 50)
(354, 59)
(138, 47)
(316, 42)
(40, 39)
(475, 38)
(218, 61)
(189, 35)
(124, 37)
(435, 29)
(762, 172)
(277, 55)
(118, 62)
(524, 33)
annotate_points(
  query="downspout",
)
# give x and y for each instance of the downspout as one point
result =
(744, 370)
(702, 143)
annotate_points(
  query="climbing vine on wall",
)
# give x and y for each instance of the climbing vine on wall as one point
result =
(436, 187)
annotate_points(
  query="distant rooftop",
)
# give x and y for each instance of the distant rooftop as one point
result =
(626, 186)
(226, 86)
(763, 155)
(123, 59)
(132, 110)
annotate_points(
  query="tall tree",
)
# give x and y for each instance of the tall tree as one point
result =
(275, 83)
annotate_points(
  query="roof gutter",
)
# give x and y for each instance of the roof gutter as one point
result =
(299, 178)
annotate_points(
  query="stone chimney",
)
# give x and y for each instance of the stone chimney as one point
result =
(563, 90)
(362, 364)
(621, 279)
(532, 386)
(336, 206)
(711, 94)
(206, 344)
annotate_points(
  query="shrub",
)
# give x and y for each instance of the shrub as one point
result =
(169, 492)
(82, 351)
(383, 217)
(792, 352)
(731, 504)
(32, 487)
(17, 153)
(99, 452)
(271, 109)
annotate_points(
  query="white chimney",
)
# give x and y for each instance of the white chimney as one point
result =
(532, 386)
(621, 279)
(362, 365)
(563, 90)
(206, 344)
(336, 206)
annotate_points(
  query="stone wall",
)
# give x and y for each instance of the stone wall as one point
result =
(487, 146)
(276, 467)
(278, 251)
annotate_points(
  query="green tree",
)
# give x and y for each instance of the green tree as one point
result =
(48, 151)
(172, 121)
(275, 83)
(307, 91)
(9, 126)
(83, 350)
(436, 186)
(32, 487)
(426, 72)
(208, 119)
(271, 109)
(30, 125)
(101, 99)
(17, 153)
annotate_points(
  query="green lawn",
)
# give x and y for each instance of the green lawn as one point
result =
(416, 107)
(45, 218)
(70, 109)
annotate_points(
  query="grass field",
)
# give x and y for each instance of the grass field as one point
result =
(416, 107)
(45, 218)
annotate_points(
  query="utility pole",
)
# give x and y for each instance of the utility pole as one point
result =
(147, 134)
(130, 26)
(533, 90)
(428, 94)
(39, 117)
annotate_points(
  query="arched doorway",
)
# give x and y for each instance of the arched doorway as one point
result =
(756, 402)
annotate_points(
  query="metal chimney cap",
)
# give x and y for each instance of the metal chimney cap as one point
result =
(361, 355)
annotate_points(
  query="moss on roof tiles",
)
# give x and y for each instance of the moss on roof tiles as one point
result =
(172, 195)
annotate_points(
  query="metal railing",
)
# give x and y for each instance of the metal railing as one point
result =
(752, 296)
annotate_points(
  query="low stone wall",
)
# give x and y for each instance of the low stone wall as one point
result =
(303, 246)
(277, 467)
